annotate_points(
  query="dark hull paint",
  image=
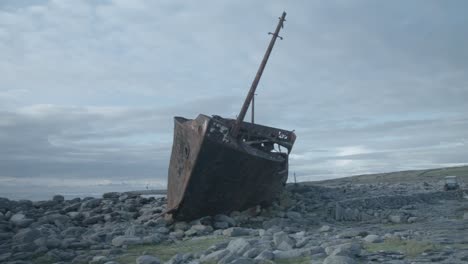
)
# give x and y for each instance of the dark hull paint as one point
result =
(212, 173)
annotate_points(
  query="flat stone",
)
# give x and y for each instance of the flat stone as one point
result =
(293, 253)
(147, 259)
(265, 255)
(325, 228)
(214, 256)
(202, 229)
(236, 231)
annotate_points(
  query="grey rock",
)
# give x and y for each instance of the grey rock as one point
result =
(225, 218)
(282, 241)
(228, 258)
(206, 220)
(373, 239)
(152, 239)
(56, 219)
(176, 259)
(74, 231)
(396, 219)
(221, 225)
(325, 228)
(293, 253)
(90, 204)
(465, 216)
(111, 195)
(93, 220)
(265, 255)
(5, 256)
(293, 215)
(412, 219)
(178, 234)
(147, 259)
(163, 230)
(236, 231)
(253, 252)
(238, 246)
(339, 260)
(58, 198)
(5, 204)
(347, 249)
(214, 256)
(6, 235)
(26, 235)
(71, 208)
(61, 255)
(136, 230)
(202, 229)
(184, 226)
(20, 220)
(99, 260)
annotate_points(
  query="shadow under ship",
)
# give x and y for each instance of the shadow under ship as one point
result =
(219, 165)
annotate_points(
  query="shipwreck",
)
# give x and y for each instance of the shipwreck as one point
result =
(219, 165)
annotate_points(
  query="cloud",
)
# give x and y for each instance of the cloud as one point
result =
(89, 88)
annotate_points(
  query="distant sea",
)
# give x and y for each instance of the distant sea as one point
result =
(41, 193)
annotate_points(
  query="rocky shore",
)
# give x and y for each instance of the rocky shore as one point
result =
(354, 223)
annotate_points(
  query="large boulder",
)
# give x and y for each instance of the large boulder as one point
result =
(58, 198)
(238, 246)
(20, 220)
(282, 241)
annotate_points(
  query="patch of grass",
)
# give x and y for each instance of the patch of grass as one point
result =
(165, 251)
(410, 248)
(298, 260)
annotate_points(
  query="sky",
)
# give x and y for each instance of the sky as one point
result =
(89, 89)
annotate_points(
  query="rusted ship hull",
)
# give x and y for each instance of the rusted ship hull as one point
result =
(211, 172)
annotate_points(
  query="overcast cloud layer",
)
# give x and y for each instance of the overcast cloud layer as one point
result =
(88, 89)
